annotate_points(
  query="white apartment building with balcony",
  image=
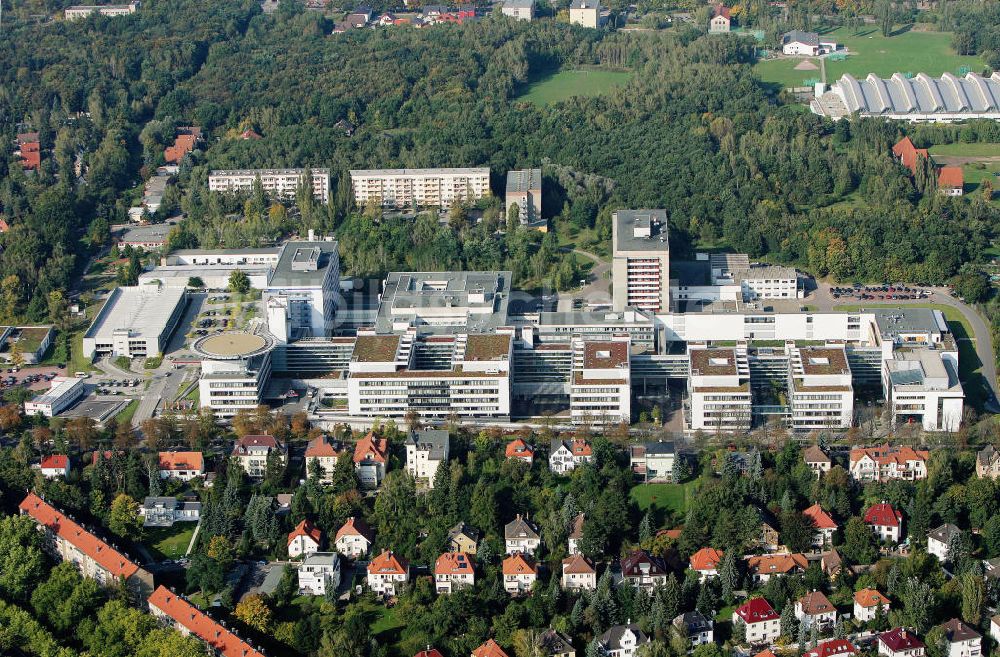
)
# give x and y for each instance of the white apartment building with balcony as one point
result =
(278, 183)
(640, 269)
(601, 389)
(922, 385)
(719, 389)
(436, 376)
(820, 389)
(420, 188)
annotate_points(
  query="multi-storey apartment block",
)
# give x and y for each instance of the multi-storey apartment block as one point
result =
(176, 612)
(719, 389)
(66, 540)
(278, 183)
(420, 188)
(79, 12)
(922, 385)
(434, 376)
(601, 390)
(640, 269)
(887, 462)
(820, 388)
(524, 189)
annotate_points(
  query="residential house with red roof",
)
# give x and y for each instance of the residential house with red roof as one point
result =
(565, 455)
(706, 562)
(371, 454)
(184, 466)
(866, 604)
(951, 181)
(388, 573)
(489, 649)
(908, 154)
(962, 640)
(304, 539)
(823, 525)
(642, 570)
(815, 609)
(54, 465)
(453, 570)
(578, 573)
(763, 624)
(429, 652)
(885, 521)
(354, 538)
(324, 452)
(722, 20)
(519, 573)
(187, 619)
(253, 452)
(763, 567)
(900, 642)
(67, 540)
(833, 648)
(886, 462)
(520, 450)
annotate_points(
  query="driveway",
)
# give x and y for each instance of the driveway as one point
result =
(597, 289)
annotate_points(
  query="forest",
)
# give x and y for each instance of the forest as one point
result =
(693, 131)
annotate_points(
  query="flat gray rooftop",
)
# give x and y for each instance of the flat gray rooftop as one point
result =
(523, 180)
(893, 321)
(304, 264)
(640, 230)
(474, 301)
(141, 309)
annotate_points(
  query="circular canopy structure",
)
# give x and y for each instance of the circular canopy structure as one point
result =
(233, 345)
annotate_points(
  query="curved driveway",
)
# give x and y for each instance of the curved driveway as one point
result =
(980, 330)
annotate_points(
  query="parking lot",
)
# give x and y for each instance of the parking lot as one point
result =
(899, 292)
(34, 378)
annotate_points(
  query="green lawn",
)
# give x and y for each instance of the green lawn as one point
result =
(567, 84)
(128, 412)
(974, 175)
(978, 149)
(672, 497)
(870, 52)
(169, 542)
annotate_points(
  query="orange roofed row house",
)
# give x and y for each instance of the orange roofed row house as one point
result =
(67, 540)
(189, 620)
(762, 568)
(884, 463)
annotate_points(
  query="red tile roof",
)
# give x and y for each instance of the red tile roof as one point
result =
(31, 159)
(519, 564)
(816, 603)
(321, 446)
(722, 10)
(578, 565)
(885, 454)
(262, 440)
(900, 639)
(355, 527)
(107, 557)
(306, 528)
(706, 559)
(951, 178)
(55, 462)
(777, 564)
(907, 153)
(871, 598)
(429, 652)
(580, 447)
(388, 563)
(883, 515)
(765, 653)
(182, 461)
(820, 518)
(756, 610)
(371, 448)
(454, 563)
(833, 648)
(201, 625)
(489, 649)
(249, 134)
(517, 448)
(183, 145)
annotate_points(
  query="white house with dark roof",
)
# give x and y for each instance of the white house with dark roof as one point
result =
(695, 627)
(520, 536)
(939, 539)
(623, 640)
(809, 44)
(426, 450)
(963, 641)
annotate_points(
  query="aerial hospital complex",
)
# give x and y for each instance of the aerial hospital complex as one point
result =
(727, 338)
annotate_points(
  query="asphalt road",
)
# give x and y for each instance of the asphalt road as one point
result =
(981, 336)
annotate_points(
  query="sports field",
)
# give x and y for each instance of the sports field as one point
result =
(978, 149)
(567, 84)
(870, 52)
